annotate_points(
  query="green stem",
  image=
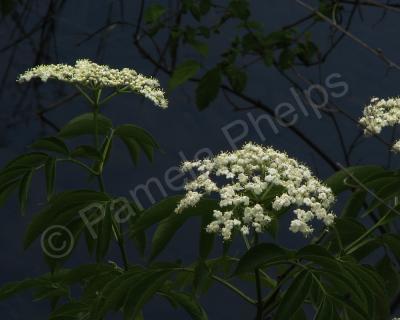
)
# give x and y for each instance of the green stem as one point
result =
(258, 286)
(85, 94)
(356, 243)
(226, 284)
(81, 164)
(112, 95)
(116, 229)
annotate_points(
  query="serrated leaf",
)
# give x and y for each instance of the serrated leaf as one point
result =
(294, 296)
(201, 275)
(153, 13)
(208, 88)
(144, 290)
(339, 182)
(135, 137)
(354, 204)
(385, 193)
(133, 149)
(239, 9)
(24, 186)
(168, 227)
(50, 173)
(136, 133)
(6, 189)
(261, 255)
(61, 209)
(182, 73)
(53, 144)
(85, 125)
(318, 255)
(105, 233)
(200, 47)
(206, 241)
(28, 160)
(392, 241)
(389, 274)
(86, 151)
(236, 77)
(71, 310)
(188, 303)
(325, 310)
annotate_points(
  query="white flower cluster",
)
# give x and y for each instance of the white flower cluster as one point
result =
(89, 74)
(381, 113)
(257, 182)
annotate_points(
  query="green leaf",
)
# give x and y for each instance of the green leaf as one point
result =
(7, 6)
(86, 151)
(69, 311)
(199, 8)
(61, 209)
(201, 276)
(130, 291)
(374, 284)
(384, 194)
(135, 137)
(208, 88)
(182, 73)
(236, 77)
(6, 189)
(262, 255)
(105, 151)
(325, 310)
(206, 241)
(133, 149)
(300, 315)
(239, 9)
(341, 180)
(200, 47)
(341, 285)
(294, 296)
(85, 125)
(354, 204)
(114, 293)
(318, 255)
(14, 288)
(50, 172)
(348, 230)
(153, 13)
(156, 213)
(286, 58)
(187, 302)
(53, 144)
(105, 233)
(28, 160)
(24, 186)
(389, 274)
(144, 290)
(392, 241)
(168, 227)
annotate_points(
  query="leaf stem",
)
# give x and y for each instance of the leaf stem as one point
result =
(226, 284)
(258, 286)
(115, 227)
(85, 94)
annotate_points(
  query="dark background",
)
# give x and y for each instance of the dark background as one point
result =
(179, 129)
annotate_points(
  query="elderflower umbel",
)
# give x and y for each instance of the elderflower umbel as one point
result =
(253, 184)
(86, 73)
(381, 113)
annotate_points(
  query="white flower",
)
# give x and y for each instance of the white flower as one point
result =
(396, 148)
(86, 73)
(381, 113)
(250, 173)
